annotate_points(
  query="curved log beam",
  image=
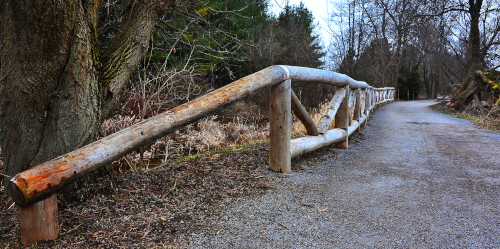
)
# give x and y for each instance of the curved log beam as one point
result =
(300, 146)
(313, 75)
(331, 111)
(303, 116)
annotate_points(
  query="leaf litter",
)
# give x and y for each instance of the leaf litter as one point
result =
(157, 208)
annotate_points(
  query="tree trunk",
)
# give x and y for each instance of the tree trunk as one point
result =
(49, 83)
(436, 86)
(474, 54)
(477, 83)
(55, 93)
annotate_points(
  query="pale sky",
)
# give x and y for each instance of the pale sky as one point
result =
(319, 8)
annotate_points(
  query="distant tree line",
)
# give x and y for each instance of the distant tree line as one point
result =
(414, 45)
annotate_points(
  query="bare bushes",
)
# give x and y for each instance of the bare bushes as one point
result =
(241, 123)
(210, 133)
(154, 92)
(118, 123)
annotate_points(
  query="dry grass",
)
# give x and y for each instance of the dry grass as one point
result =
(299, 130)
(490, 122)
(241, 123)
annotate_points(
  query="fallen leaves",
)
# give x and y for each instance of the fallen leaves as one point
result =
(157, 207)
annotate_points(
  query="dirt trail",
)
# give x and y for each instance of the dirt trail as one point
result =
(420, 179)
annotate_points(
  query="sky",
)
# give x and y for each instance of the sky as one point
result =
(319, 8)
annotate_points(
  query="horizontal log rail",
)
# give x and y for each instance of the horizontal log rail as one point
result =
(350, 108)
(36, 183)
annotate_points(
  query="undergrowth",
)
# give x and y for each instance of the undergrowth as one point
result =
(229, 130)
(490, 122)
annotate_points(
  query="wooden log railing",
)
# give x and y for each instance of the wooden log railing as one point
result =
(349, 108)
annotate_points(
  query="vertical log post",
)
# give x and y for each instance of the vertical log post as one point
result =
(342, 118)
(357, 108)
(280, 118)
(367, 105)
(372, 93)
(39, 221)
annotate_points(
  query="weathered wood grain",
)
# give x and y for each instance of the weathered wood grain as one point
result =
(342, 118)
(300, 146)
(40, 221)
(280, 118)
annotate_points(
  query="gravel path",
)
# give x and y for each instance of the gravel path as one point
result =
(420, 179)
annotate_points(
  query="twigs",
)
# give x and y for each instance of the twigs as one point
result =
(5, 175)
(74, 229)
(493, 110)
(132, 166)
(283, 225)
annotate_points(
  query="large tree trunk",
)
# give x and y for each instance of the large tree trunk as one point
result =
(479, 84)
(463, 97)
(56, 84)
(474, 54)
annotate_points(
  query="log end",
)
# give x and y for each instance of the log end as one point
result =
(15, 187)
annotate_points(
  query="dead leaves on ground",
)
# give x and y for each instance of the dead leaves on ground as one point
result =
(160, 207)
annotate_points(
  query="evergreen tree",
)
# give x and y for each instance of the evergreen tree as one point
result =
(290, 39)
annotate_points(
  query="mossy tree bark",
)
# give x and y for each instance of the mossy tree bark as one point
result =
(57, 85)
